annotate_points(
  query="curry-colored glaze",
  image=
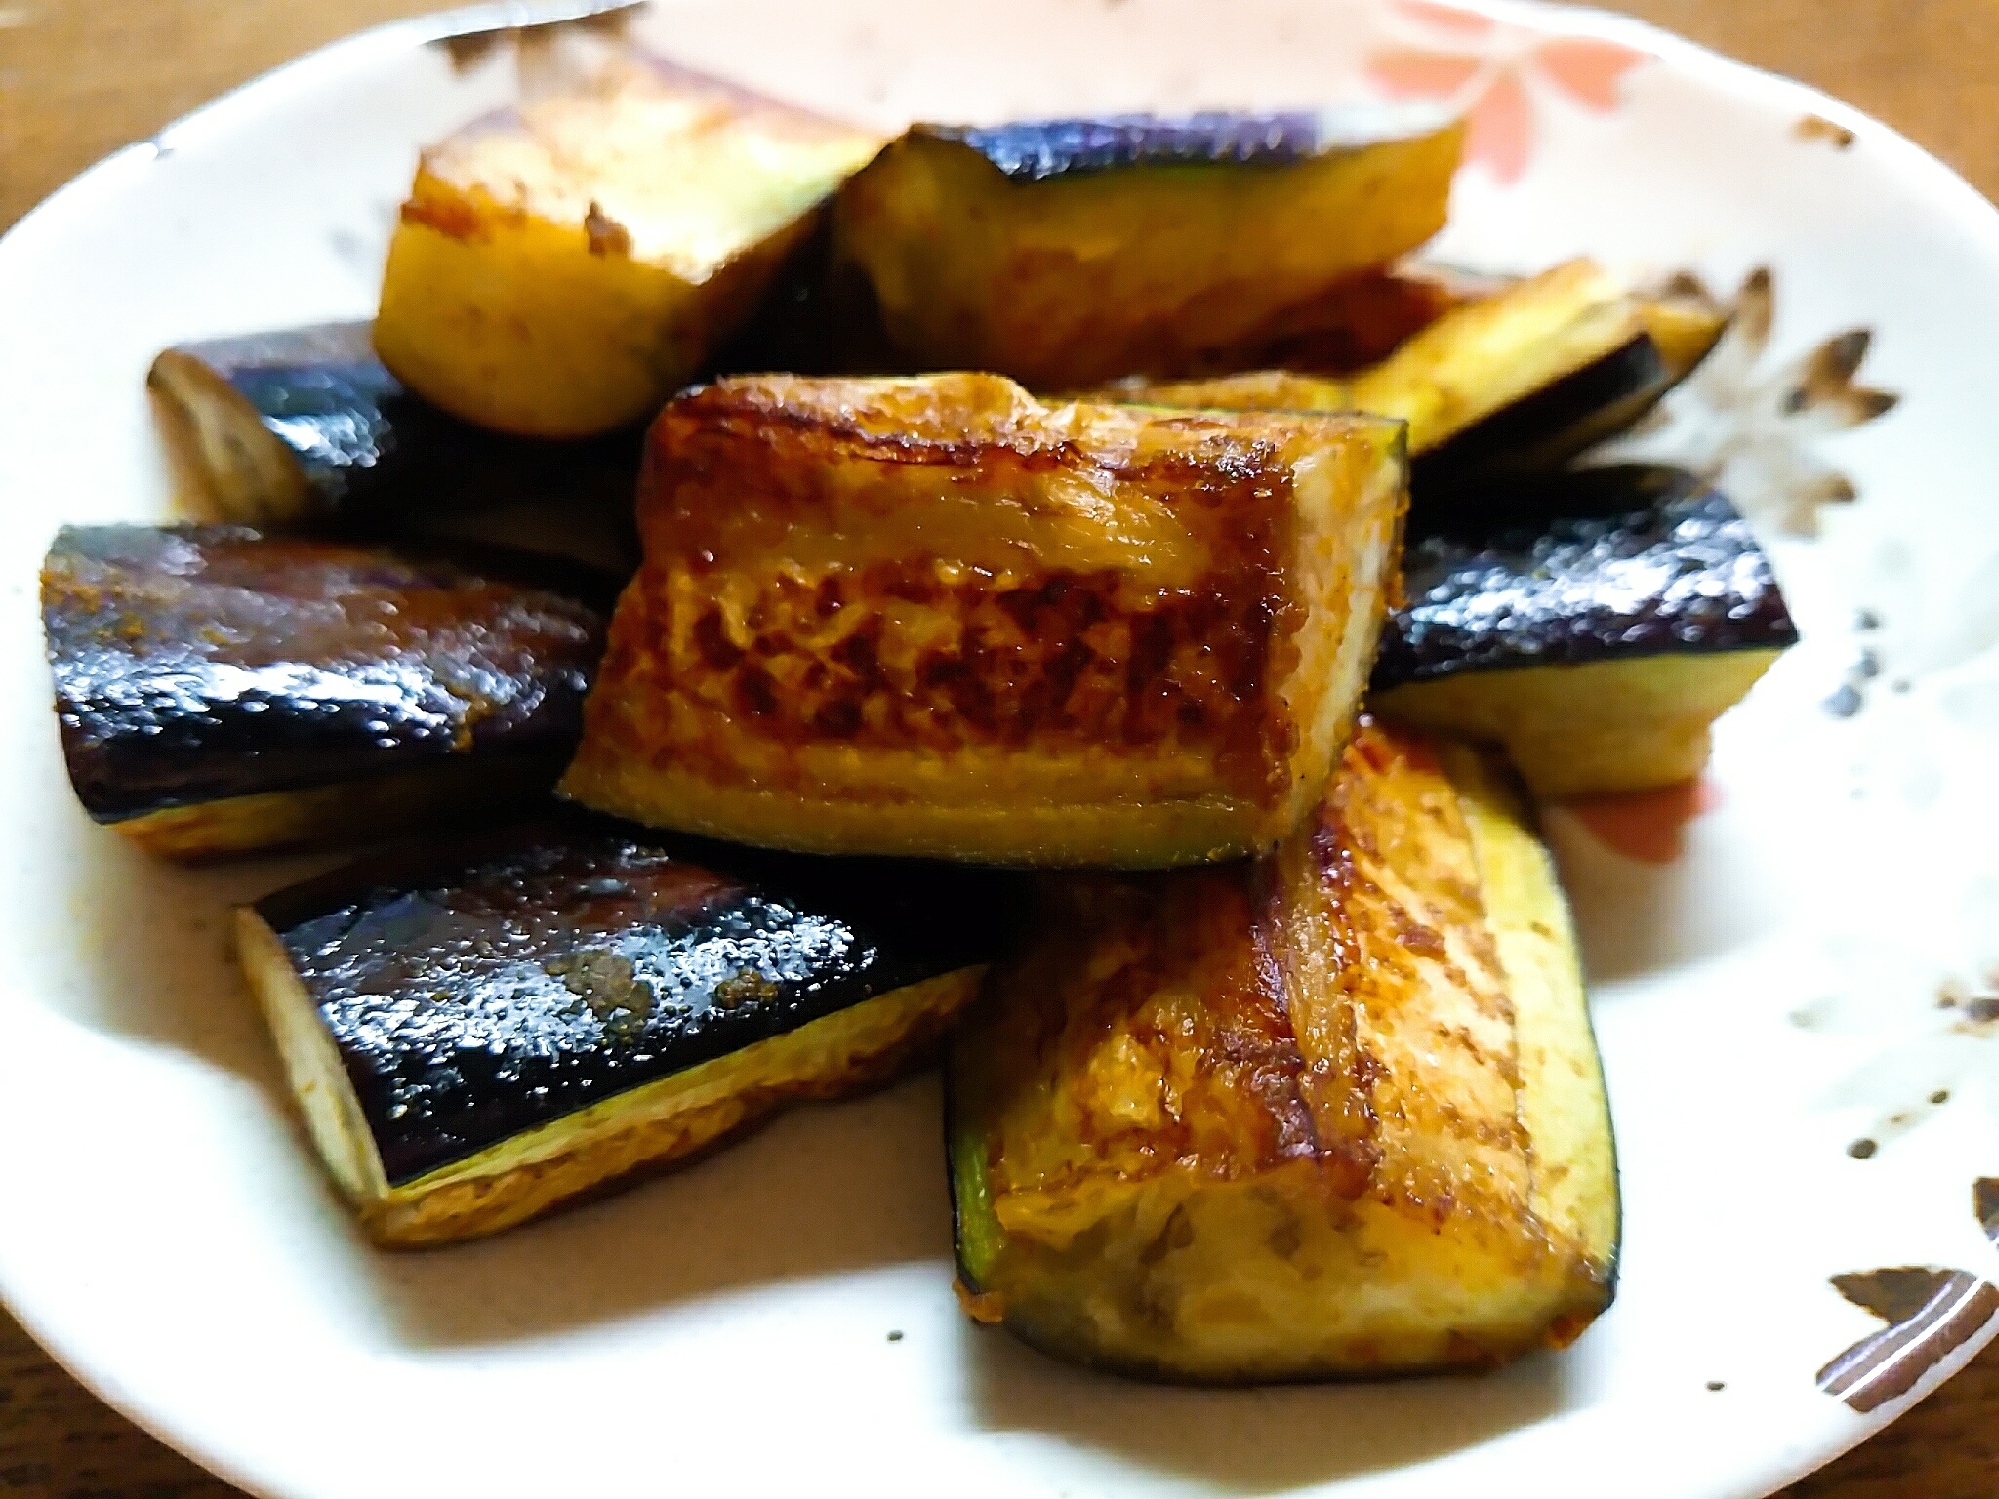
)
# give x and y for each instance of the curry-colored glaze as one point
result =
(560, 269)
(1136, 260)
(1335, 1112)
(936, 616)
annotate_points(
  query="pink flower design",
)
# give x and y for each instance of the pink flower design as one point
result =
(1493, 83)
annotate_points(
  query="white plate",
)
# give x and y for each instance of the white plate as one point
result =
(1765, 1000)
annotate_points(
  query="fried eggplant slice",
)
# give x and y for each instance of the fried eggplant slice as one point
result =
(933, 616)
(1333, 1113)
(1345, 329)
(482, 1031)
(306, 428)
(1516, 383)
(1597, 640)
(220, 691)
(560, 269)
(1068, 252)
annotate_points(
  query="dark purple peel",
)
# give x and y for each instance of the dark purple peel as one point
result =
(1603, 564)
(367, 455)
(196, 664)
(1543, 431)
(1038, 150)
(480, 989)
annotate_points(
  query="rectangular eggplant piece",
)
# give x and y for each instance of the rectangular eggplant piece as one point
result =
(1335, 1113)
(306, 428)
(1512, 384)
(482, 1031)
(1067, 252)
(933, 616)
(561, 268)
(220, 691)
(1597, 640)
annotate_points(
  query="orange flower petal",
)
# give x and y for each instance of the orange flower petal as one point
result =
(1444, 17)
(1649, 826)
(1502, 129)
(1587, 70)
(1421, 75)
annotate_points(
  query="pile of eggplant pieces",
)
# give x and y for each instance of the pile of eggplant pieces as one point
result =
(384, 624)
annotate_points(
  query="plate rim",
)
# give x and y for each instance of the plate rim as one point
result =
(1969, 212)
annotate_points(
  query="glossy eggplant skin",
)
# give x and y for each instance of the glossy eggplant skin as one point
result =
(305, 427)
(1623, 561)
(1062, 253)
(201, 666)
(1598, 630)
(495, 1003)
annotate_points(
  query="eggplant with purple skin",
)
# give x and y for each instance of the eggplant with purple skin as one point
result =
(481, 1032)
(220, 691)
(1597, 631)
(1500, 387)
(305, 429)
(1068, 252)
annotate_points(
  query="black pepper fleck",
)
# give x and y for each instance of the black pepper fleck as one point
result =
(1862, 1150)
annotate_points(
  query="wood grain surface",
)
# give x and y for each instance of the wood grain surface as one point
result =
(79, 78)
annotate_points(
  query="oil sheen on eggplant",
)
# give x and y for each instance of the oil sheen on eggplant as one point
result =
(305, 427)
(208, 678)
(480, 1030)
(1597, 631)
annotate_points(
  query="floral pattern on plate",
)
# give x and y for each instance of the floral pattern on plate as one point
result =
(1754, 432)
(1493, 72)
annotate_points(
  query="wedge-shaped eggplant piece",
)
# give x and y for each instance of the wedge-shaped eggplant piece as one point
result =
(220, 691)
(1065, 252)
(934, 616)
(307, 428)
(1333, 1113)
(1512, 384)
(560, 269)
(479, 1032)
(1597, 640)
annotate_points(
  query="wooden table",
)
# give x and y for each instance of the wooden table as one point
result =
(81, 77)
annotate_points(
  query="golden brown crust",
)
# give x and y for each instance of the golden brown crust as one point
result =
(1305, 997)
(942, 590)
(1269, 1121)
